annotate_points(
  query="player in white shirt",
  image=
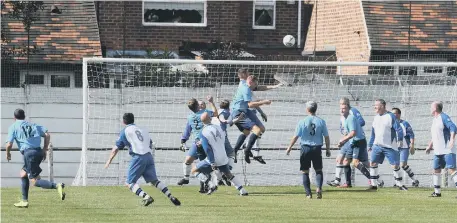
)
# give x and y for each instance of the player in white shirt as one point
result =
(443, 138)
(212, 138)
(142, 162)
(386, 137)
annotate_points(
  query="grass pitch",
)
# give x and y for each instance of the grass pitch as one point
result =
(264, 204)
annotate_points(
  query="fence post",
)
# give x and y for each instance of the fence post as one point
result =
(50, 163)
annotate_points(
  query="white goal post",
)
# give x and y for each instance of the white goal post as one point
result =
(156, 92)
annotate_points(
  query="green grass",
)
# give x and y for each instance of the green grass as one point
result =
(264, 204)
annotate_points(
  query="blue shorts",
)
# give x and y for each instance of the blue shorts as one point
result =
(379, 153)
(310, 154)
(204, 167)
(196, 152)
(346, 150)
(141, 166)
(444, 161)
(359, 150)
(404, 154)
(228, 148)
(32, 161)
(249, 121)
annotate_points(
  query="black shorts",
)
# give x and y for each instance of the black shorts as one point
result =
(310, 154)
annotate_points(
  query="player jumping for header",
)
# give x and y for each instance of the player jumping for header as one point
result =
(251, 127)
(142, 162)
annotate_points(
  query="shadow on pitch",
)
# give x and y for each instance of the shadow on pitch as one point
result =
(279, 193)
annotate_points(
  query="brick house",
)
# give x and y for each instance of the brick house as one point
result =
(64, 33)
(149, 24)
(361, 30)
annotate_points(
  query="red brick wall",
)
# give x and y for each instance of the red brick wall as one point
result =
(226, 20)
(340, 23)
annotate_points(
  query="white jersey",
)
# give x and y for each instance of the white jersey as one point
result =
(213, 139)
(136, 138)
(441, 128)
(385, 131)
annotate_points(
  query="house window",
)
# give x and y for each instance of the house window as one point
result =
(264, 14)
(174, 13)
(60, 80)
(34, 79)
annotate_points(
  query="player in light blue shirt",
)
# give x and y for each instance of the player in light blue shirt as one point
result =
(312, 131)
(251, 123)
(142, 162)
(28, 139)
(408, 146)
(194, 126)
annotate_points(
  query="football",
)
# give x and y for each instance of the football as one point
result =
(289, 40)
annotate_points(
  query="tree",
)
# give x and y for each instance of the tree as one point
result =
(27, 12)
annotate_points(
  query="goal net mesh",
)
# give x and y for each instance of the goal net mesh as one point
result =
(156, 92)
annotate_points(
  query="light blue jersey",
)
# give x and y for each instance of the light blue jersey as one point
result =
(311, 131)
(195, 124)
(27, 135)
(352, 124)
(225, 113)
(242, 97)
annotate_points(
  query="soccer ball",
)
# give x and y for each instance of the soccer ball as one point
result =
(289, 40)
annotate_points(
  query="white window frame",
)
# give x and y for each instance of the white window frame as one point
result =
(47, 78)
(72, 79)
(205, 14)
(254, 26)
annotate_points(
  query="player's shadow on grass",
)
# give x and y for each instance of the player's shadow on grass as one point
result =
(279, 193)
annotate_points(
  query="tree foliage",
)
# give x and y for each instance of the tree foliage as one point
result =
(27, 12)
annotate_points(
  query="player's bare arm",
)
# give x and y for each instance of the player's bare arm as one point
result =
(213, 106)
(8, 146)
(256, 104)
(267, 87)
(429, 147)
(346, 138)
(292, 143)
(327, 146)
(111, 156)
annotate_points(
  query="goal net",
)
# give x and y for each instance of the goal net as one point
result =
(156, 92)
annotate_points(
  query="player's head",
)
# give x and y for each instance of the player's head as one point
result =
(396, 112)
(345, 101)
(243, 73)
(19, 114)
(128, 118)
(344, 109)
(436, 107)
(311, 107)
(205, 118)
(201, 105)
(193, 105)
(251, 81)
(380, 106)
(225, 104)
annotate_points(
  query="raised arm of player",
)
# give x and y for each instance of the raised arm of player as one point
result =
(358, 116)
(352, 122)
(213, 106)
